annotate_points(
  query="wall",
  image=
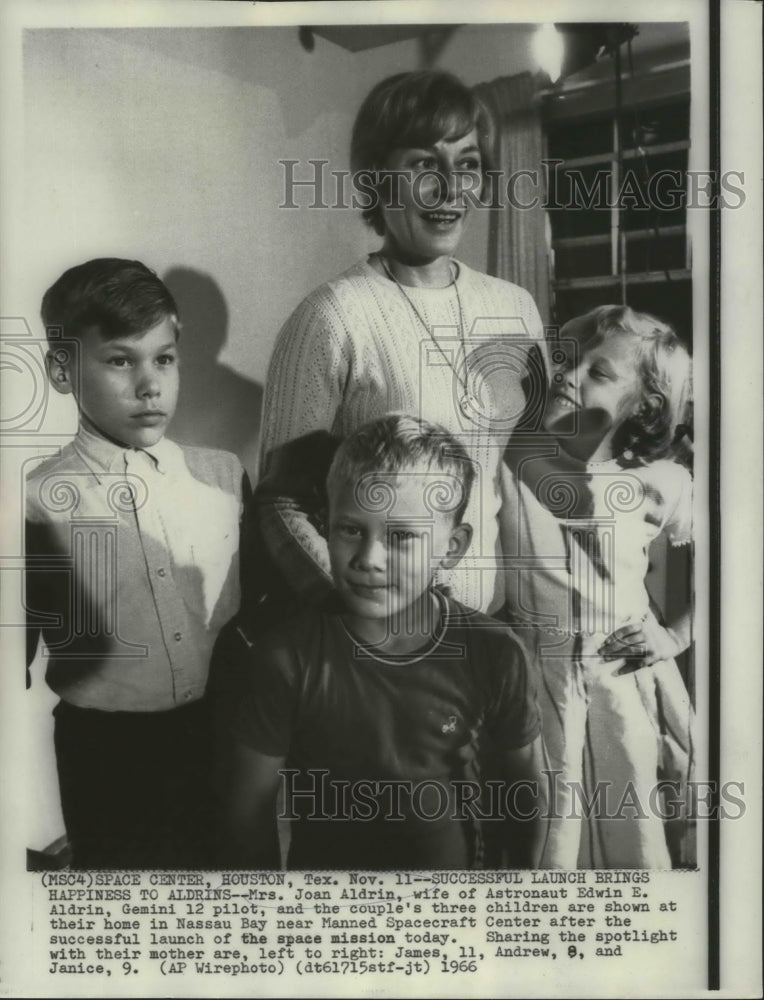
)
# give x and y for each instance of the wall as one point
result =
(164, 144)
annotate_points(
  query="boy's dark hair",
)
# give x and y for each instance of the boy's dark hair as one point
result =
(664, 367)
(119, 297)
(398, 444)
(410, 110)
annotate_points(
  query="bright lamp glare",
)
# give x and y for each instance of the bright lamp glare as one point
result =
(549, 50)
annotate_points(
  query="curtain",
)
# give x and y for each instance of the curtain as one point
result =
(518, 237)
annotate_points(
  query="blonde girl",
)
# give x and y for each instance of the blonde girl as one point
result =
(584, 500)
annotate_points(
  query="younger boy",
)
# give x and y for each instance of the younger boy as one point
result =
(132, 568)
(382, 711)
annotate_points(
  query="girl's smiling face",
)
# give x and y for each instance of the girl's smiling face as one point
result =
(433, 189)
(593, 392)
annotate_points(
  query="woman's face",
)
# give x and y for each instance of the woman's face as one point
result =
(425, 205)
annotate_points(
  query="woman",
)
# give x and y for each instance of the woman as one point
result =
(409, 329)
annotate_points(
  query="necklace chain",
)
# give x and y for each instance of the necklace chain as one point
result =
(467, 401)
(369, 649)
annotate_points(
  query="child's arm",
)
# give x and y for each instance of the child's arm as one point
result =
(252, 704)
(33, 630)
(652, 640)
(249, 831)
(648, 640)
(526, 799)
(36, 544)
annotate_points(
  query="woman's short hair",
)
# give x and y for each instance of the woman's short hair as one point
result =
(398, 445)
(411, 110)
(664, 367)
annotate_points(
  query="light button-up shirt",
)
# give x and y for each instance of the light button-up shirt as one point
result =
(132, 569)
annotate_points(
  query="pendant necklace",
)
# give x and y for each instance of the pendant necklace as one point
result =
(469, 404)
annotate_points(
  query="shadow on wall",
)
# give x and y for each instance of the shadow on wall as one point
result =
(218, 407)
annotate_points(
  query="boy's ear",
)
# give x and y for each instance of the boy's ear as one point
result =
(58, 364)
(458, 543)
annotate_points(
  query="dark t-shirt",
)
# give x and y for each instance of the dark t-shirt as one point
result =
(378, 742)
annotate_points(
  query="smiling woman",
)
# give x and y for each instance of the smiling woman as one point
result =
(428, 225)
(410, 329)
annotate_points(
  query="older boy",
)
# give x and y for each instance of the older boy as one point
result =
(132, 568)
(382, 713)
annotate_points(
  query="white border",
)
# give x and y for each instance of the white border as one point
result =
(742, 365)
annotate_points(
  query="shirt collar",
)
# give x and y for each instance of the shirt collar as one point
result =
(162, 453)
(106, 456)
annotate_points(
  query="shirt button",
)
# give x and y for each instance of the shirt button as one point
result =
(188, 695)
(178, 637)
(161, 572)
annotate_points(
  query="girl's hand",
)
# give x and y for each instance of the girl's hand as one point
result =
(647, 641)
